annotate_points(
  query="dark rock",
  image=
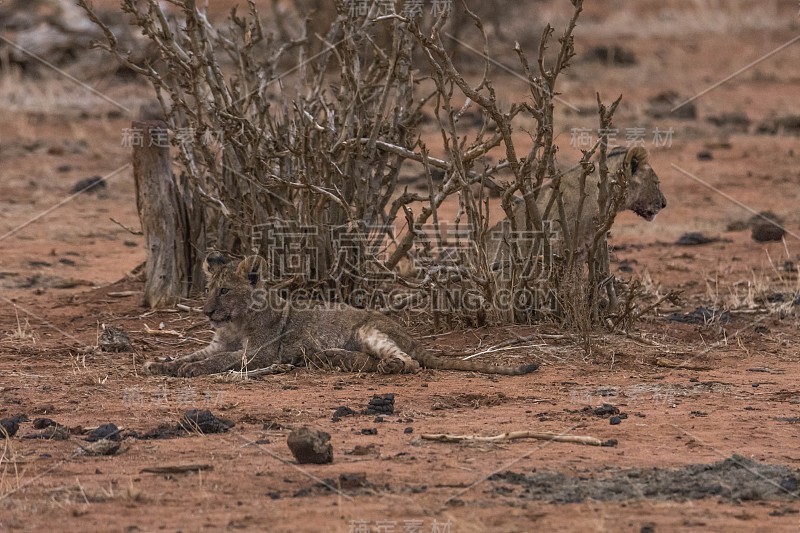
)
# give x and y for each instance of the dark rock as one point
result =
(786, 125)
(701, 315)
(203, 421)
(8, 427)
(737, 225)
(735, 120)
(695, 238)
(89, 185)
(611, 55)
(605, 410)
(106, 431)
(380, 404)
(705, 155)
(310, 446)
(664, 105)
(41, 423)
(766, 227)
(341, 412)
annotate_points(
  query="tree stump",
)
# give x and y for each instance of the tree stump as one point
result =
(159, 212)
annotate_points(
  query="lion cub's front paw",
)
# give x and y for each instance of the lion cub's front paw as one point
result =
(398, 365)
(191, 370)
(160, 368)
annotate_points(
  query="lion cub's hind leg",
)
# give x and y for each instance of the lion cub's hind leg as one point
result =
(391, 358)
(345, 360)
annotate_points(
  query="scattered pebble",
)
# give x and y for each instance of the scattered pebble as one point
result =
(203, 421)
(310, 446)
(380, 404)
(106, 431)
(665, 105)
(341, 412)
(695, 238)
(767, 232)
(701, 315)
(611, 55)
(605, 410)
(9, 427)
(89, 185)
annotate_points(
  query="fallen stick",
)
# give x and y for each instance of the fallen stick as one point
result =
(681, 365)
(277, 368)
(122, 294)
(182, 307)
(162, 332)
(175, 469)
(513, 435)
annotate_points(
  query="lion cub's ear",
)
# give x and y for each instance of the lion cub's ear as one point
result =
(214, 261)
(635, 158)
(253, 269)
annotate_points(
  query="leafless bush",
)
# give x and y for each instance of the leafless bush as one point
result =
(295, 152)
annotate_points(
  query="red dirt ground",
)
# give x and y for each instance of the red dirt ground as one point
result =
(60, 274)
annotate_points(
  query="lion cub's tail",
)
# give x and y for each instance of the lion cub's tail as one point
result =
(447, 363)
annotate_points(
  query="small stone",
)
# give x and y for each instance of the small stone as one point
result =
(106, 431)
(8, 427)
(341, 412)
(695, 238)
(203, 421)
(615, 420)
(605, 410)
(310, 446)
(89, 185)
(41, 423)
(380, 404)
(767, 232)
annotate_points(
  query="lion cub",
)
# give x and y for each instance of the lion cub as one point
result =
(256, 328)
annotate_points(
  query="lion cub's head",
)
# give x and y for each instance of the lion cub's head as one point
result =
(233, 288)
(643, 195)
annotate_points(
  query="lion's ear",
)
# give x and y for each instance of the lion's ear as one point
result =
(253, 269)
(214, 261)
(635, 158)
